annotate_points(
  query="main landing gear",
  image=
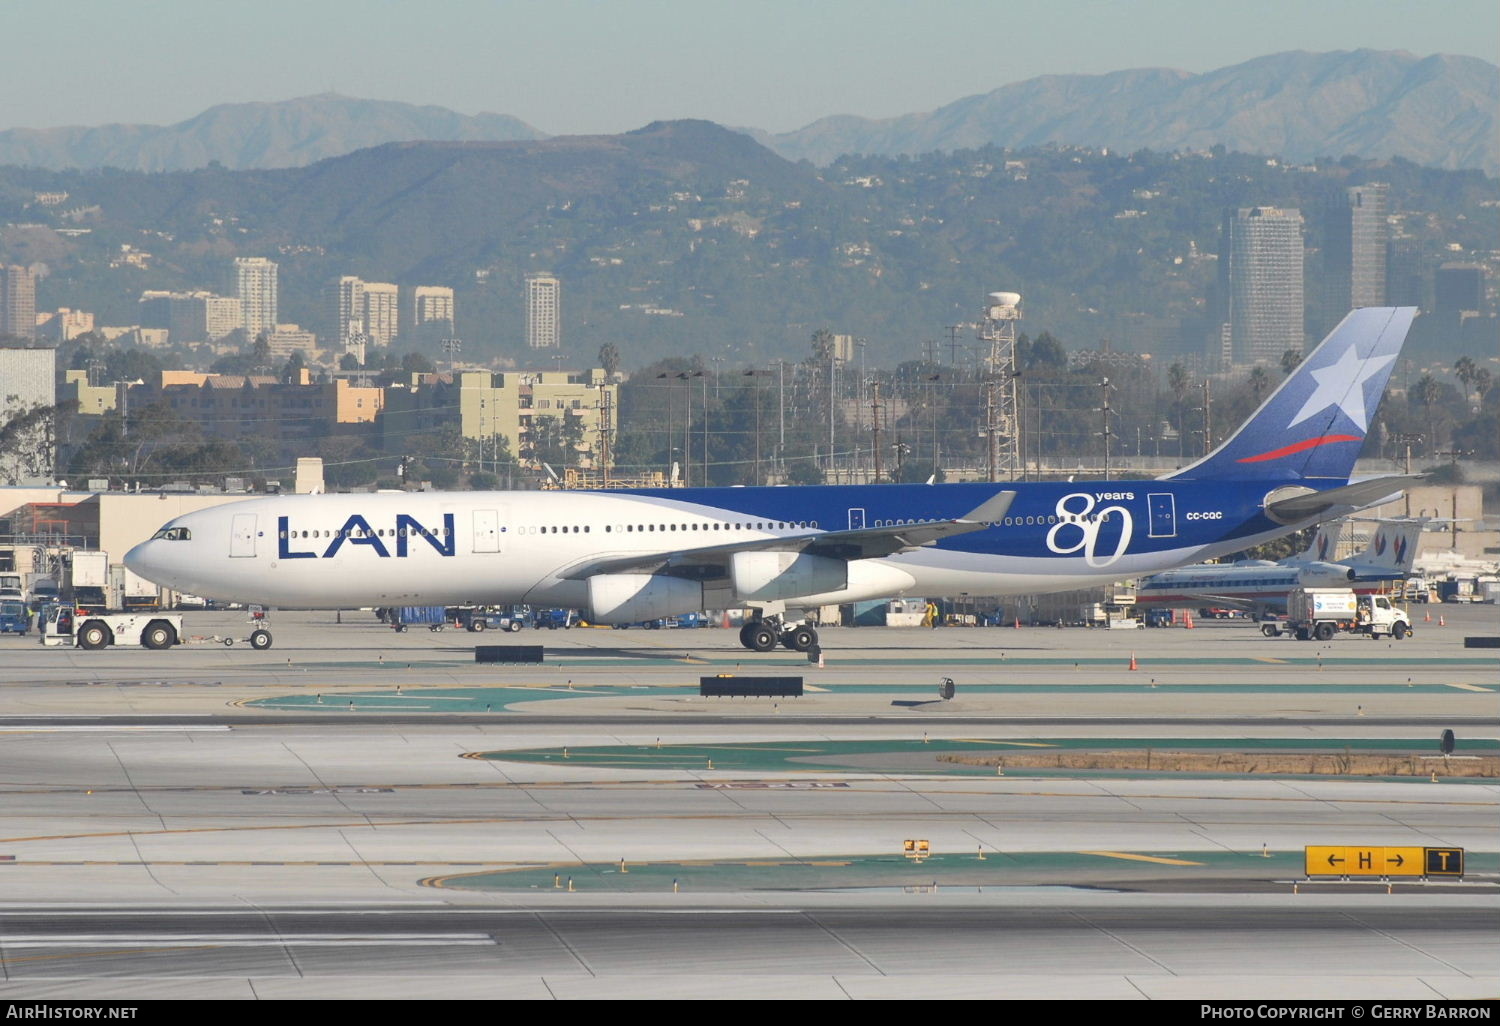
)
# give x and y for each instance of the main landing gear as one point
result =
(764, 635)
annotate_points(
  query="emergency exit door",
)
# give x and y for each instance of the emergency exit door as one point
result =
(1163, 514)
(242, 535)
(486, 530)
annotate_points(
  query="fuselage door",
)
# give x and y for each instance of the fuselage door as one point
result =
(1163, 510)
(242, 535)
(486, 530)
(856, 520)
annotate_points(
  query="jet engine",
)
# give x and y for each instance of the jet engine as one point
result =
(768, 576)
(627, 598)
(1330, 575)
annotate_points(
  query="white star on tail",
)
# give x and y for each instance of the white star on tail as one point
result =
(1342, 384)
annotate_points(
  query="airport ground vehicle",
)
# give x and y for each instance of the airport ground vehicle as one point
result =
(66, 625)
(15, 618)
(434, 618)
(1323, 612)
(1158, 617)
(484, 618)
(552, 619)
(88, 578)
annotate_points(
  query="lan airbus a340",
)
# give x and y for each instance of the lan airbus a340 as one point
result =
(624, 556)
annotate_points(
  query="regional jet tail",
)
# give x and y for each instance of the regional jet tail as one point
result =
(624, 556)
(1392, 550)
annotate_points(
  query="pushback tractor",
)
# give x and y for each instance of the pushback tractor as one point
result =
(71, 627)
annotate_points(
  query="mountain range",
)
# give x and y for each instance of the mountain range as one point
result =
(291, 133)
(1437, 111)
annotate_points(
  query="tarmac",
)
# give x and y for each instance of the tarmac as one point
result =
(361, 813)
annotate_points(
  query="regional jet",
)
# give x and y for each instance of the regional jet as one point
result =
(1262, 586)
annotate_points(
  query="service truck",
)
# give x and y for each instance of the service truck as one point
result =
(1323, 612)
(89, 579)
(69, 626)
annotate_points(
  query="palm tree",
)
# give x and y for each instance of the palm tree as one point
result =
(1179, 382)
(1289, 361)
(1260, 380)
(1483, 382)
(1465, 369)
(1426, 393)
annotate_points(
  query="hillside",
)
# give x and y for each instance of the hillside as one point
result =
(253, 135)
(685, 237)
(1438, 111)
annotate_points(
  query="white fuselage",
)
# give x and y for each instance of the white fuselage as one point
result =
(409, 549)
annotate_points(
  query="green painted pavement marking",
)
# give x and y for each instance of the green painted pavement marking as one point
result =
(945, 869)
(499, 697)
(831, 756)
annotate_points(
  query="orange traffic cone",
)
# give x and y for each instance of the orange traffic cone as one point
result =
(1018, 623)
(1428, 617)
(1132, 661)
(1441, 622)
(725, 622)
(1189, 618)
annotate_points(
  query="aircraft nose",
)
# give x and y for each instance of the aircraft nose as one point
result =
(138, 560)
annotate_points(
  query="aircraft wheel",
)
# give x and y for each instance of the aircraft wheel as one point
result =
(158, 635)
(762, 639)
(93, 635)
(1398, 631)
(803, 638)
(745, 634)
(260, 640)
(786, 641)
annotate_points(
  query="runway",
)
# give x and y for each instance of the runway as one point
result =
(196, 823)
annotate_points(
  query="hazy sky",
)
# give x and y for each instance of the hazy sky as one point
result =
(571, 66)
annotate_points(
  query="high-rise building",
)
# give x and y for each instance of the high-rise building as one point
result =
(256, 281)
(1265, 283)
(543, 311)
(351, 309)
(432, 304)
(1458, 289)
(382, 321)
(1357, 237)
(191, 316)
(369, 309)
(17, 302)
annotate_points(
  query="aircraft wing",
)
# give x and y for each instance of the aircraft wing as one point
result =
(712, 561)
(1359, 494)
(1227, 601)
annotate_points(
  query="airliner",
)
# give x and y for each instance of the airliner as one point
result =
(626, 556)
(1262, 586)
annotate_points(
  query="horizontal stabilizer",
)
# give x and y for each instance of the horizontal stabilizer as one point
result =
(1358, 495)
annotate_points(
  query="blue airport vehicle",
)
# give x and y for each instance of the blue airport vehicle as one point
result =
(15, 618)
(434, 617)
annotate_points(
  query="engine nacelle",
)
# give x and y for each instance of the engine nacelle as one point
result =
(768, 576)
(1316, 575)
(628, 598)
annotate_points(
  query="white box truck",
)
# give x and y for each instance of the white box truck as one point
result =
(88, 578)
(1323, 612)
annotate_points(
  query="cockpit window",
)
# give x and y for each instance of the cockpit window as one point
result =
(173, 534)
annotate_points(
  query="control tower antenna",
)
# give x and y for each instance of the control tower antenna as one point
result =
(1002, 421)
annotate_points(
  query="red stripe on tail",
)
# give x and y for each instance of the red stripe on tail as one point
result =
(1311, 443)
